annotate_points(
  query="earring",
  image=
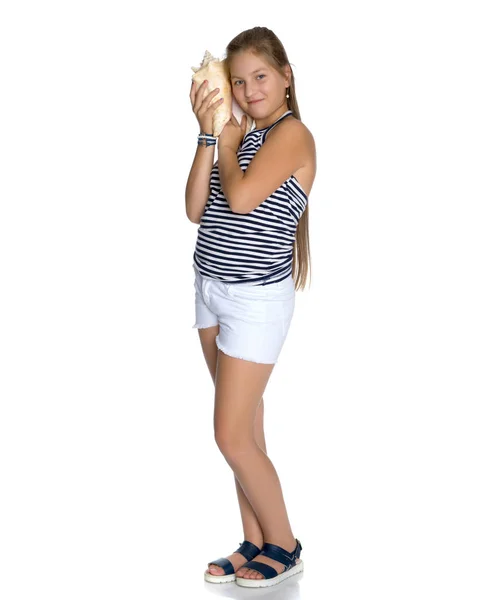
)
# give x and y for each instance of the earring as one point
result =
(287, 95)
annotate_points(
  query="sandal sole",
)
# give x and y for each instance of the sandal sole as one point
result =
(219, 578)
(274, 580)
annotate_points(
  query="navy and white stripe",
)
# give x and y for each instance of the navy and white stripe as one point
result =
(255, 248)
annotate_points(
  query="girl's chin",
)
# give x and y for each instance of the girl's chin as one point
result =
(253, 107)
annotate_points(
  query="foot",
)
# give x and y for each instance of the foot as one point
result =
(277, 566)
(236, 559)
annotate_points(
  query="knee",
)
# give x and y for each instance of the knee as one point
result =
(233, 443)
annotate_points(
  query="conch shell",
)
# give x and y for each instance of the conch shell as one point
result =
(215, 71)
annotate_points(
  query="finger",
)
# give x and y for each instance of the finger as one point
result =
(196, 94)
(200, 97)
(207, 100)
(193, 92)
(215, 105)
(200, 94)
(205, 89)
(208, 96)
(214, 92)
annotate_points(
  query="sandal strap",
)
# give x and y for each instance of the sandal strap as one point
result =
(225, 564)
(248, 550)
(265, 570)
(282, 555)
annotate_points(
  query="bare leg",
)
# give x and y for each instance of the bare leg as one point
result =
(239, 387)
(251, 528)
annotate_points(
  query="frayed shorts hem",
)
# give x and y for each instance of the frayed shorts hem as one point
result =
(233, 354)
(260, 362)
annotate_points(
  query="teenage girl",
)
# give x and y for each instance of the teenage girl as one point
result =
(251, 254)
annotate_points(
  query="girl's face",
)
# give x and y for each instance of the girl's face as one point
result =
(252, 78)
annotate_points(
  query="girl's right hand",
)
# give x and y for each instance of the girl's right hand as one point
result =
(200, 103)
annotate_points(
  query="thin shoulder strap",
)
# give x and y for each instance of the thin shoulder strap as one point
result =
(288, 114)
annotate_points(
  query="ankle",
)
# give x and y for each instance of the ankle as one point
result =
(287, 544)
(255, 540)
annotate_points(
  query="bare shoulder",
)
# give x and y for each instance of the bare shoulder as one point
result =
(307, 173)
(296, 130)
(305, 132)
(302, 138)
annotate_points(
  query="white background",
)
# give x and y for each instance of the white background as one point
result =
(111, 483)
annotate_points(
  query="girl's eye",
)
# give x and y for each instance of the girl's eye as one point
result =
(260, 75)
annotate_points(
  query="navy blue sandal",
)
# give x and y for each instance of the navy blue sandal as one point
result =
(247, 549)
(271, 576)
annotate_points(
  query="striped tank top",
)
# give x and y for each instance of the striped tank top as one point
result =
(257, 247)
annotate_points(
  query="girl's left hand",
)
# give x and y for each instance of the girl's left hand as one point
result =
(233, 133)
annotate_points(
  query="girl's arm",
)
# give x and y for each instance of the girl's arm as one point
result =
(198, 185)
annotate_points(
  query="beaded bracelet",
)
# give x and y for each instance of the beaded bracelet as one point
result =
(206, 139)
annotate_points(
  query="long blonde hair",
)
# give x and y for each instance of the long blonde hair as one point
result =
(263, 42)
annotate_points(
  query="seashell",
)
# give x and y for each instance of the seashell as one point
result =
(215, 71)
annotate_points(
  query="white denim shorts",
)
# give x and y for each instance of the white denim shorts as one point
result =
(253, 319)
